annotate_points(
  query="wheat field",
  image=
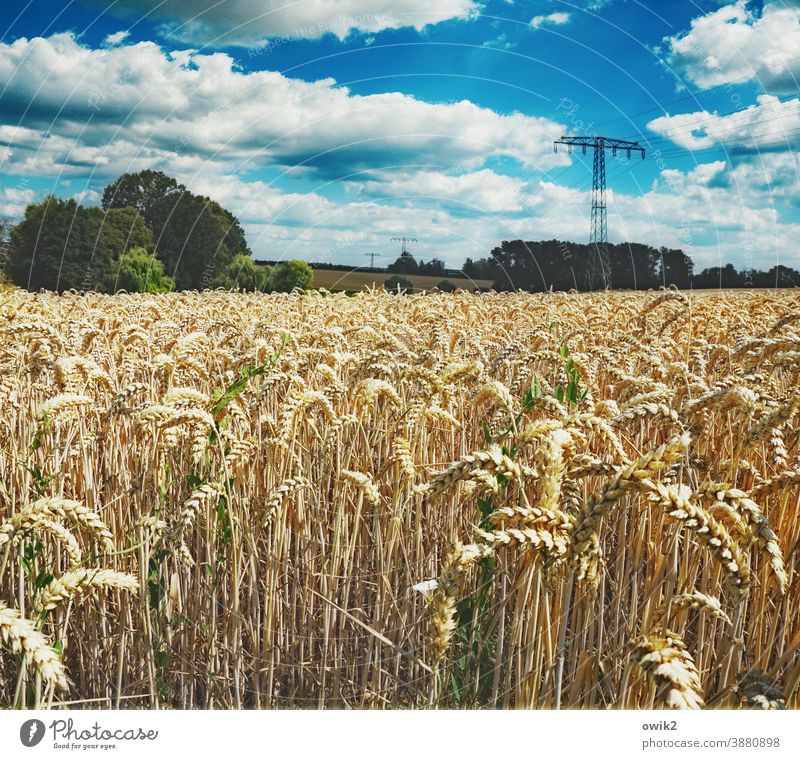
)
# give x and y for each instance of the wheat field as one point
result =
(318, 501)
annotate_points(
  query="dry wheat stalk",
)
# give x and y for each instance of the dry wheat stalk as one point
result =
(633, 477)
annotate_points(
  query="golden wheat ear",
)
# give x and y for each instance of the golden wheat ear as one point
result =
(668, 662)
(20, 635)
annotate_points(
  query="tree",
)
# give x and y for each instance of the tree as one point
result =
(483, 268)
(777, 276)
(243, 273)
(61, 245)
(138, 271)
(434, 268)
(676, 268)
(634, 266)
(717, 277)
(405, 264)
(196, 238)
(446, 286)
(392, 284)
(143, 191)
(287, 275)
(562, 265)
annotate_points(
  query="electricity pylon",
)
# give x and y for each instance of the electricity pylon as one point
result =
(404, 241)
(598, 269)
(371, 259)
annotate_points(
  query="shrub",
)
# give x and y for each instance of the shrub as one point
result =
(243, 273)
(138, 271)
(394, 283)
(287, 275)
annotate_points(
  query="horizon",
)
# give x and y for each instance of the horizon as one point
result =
(327, 137)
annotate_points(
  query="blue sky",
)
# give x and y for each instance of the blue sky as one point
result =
(329, 127)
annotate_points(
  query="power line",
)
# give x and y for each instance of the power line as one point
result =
(745, 78)
(404, 242)
(599, 267)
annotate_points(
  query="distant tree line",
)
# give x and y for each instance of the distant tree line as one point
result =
(407, 264)
(151, 234)
(562, 265)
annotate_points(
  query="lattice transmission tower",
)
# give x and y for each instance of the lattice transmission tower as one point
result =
(404, 243)
(598, 269)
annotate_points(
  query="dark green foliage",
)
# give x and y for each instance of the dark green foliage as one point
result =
(196, 238)
(60, 245)
(394, 282)
(138, 271)
(561, 265)
(484, 268)
(143, 191)
(446, 286)
(243, 273)
(434, 268)
(287, 275)
(405, 264)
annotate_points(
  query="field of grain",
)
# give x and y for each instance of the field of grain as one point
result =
(356, 281)
(297, 501)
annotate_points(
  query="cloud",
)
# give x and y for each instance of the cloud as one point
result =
(137, 101)
(13, 200)
(350, 171)
(769, 125)
(551, 19)
(714, 212)
(250, 22)
(469, 192)
(117, 38)
(736, 44)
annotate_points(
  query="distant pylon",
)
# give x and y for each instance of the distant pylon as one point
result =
(598, 270)
(371, 259)
(404, 241)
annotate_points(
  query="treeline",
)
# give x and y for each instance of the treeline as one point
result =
(561, 265)
(151, 234)
(407, 264)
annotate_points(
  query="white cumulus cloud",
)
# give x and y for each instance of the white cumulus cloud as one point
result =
(736, 44)
(551, 19)
(136, 101)
(770, 124)
(218, 23)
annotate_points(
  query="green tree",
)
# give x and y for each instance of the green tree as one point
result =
(143, 191)
(446, 286)
(404, 264)
(196, 238)
(243, 273)
(138, 271)
(392, 283)
(60, 245)
(676, 268)
(287, 275)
